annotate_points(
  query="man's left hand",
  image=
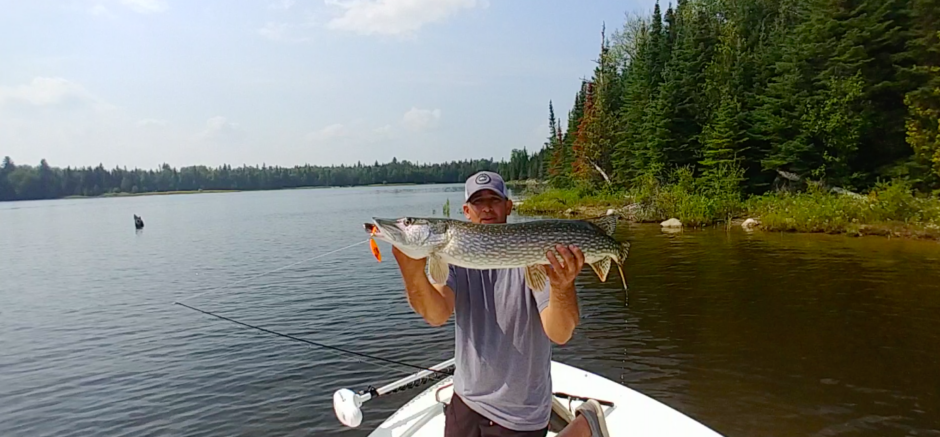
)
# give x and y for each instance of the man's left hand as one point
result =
(562, 273)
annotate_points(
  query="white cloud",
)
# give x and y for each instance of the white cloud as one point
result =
(100, 10)
(146, 6)
(49, 92)
(284, 32)
(384, 130)
(281, 4)
(331, 132)
(151, 122)
(219, 127)
(421, 119)
(394, 17)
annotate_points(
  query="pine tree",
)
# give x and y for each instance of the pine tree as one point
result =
(923, 102)
(594, 143)
(721, 137)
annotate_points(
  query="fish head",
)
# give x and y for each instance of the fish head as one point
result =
(416, 237)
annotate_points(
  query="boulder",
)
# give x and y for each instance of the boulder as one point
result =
(750, 223)
(672, 223)
(611, 212)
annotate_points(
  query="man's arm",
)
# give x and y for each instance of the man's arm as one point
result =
(434, 302)
(562, 315)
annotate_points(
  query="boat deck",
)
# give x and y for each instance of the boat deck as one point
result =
(632, 414)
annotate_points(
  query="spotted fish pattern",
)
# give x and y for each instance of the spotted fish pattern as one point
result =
(509, 245)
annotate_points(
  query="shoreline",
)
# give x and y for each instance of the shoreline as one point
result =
(185, 192)
(510, 184)
(148, 193)
(792, 213)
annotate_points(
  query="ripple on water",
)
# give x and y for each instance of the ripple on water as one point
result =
(753, 334)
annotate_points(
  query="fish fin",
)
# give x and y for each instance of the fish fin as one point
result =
(439, 269)
(535, 277)
(622, 278)
(621, 258)
(607, 223)
(601, 268)
(624, 252)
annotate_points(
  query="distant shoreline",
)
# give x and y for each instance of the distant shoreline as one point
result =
(511, 184)
(177, 192)
(149, 193)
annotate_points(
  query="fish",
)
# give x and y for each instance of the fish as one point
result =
(444, 242)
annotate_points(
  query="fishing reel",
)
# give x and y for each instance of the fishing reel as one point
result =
(347, 406)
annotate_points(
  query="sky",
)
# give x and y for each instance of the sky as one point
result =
(139, 83)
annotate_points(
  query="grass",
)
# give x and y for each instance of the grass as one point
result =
(889, 209)
(560, 200)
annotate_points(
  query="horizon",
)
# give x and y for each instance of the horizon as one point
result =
(284, 83)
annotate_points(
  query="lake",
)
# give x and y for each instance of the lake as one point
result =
(753, 334)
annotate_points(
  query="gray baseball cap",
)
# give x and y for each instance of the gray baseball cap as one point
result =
(485, 180)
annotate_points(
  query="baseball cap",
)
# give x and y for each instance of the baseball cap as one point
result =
(485, 180)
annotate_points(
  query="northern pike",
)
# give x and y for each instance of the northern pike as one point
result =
(500, 246)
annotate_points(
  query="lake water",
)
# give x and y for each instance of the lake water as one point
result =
(752, 334)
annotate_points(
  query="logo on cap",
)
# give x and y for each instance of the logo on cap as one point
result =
(483, 178)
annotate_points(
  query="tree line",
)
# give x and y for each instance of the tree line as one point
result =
(846, 92)
(25, 182)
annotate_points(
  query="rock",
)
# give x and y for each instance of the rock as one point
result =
(569, 211)
(750, 223)
(611, 212)
(672, 223)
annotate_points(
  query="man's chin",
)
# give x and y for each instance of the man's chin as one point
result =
(489, 221)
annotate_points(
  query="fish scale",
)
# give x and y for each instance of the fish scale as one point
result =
(500, 246)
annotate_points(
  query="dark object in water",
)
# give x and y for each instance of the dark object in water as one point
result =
(138, 222)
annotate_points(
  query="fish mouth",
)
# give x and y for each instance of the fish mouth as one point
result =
(381, 228)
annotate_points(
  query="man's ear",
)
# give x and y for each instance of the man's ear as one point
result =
(466, 211)
(508, 207)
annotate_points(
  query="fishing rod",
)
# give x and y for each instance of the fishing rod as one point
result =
(348, 404)
(310, 342)
(422, 377)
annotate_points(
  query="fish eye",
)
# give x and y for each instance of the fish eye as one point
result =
(408, 221)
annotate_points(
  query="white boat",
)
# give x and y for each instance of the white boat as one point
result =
(627, 412)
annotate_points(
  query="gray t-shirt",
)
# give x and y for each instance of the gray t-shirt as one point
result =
(503, 357)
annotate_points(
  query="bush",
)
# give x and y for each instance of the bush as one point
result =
(559, 200)
(695, 202)
(819, 211)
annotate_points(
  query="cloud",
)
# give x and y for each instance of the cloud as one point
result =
(146, 6)
(284, 32)
(418, 120)
(219, 127)
(50, 92)
(281, 4)
(100, 10)
(331, 132)
(151, 122)
(394, 17)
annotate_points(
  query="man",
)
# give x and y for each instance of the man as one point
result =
(504, 330)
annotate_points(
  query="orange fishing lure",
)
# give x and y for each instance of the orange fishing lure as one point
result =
(375, 247)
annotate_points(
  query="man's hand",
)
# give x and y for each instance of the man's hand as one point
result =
(434, 302)
(562, 274)
(408, 266)
(562, 315)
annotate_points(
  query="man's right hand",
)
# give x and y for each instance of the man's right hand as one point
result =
(434, 302)
(408, 265)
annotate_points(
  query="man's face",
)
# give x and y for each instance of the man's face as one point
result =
(487, 207)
